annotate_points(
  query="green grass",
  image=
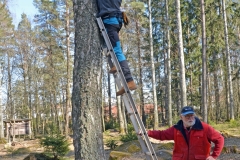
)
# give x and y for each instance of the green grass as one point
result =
(21, 151)
(231, 128)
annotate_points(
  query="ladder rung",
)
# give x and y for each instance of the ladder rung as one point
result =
(149, 153)
(127, 97)
(130, 113)
(105, 51)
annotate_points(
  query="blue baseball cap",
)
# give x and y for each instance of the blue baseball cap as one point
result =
(187, 110)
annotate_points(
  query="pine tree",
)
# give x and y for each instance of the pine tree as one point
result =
(86, 94)
(6, 33)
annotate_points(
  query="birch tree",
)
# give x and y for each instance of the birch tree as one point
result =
(168, 61)
(68, 18)
(1, 107)
(136, 12)
(155, 125)
(181, 56)
(229, 71)
(204, 65)
(5, 23)
(6, 33)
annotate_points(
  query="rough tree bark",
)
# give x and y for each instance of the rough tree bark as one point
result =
(86, 94)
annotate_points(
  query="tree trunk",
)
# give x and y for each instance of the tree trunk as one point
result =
(86, 94)
(168, 61)
(181, 56)
(229, 75)
(1, 109)
(68, 94)
(103, 100)
(141, 109)
(226, 86)
(109, 98)
(124, 116)
(216, 91)
(204, 66)
(120, 116)
(155, 126)
(215, 80)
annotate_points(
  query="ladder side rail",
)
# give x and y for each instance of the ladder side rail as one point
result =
(124, 83)
(113, 56)
(143, 131)
(136, 127)
(135, 123)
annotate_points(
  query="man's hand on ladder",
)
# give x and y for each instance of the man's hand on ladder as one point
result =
(140, 133)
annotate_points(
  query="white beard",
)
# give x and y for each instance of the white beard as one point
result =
(189, 123)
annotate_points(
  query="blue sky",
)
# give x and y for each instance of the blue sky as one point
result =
(17, 7)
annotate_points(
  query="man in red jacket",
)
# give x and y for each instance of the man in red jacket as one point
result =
(192, 138)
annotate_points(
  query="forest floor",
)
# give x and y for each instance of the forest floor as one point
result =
(231, 144)
(21, 149)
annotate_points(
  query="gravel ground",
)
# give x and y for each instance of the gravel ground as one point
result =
(231, 156)
(225, 156)
(138, 156)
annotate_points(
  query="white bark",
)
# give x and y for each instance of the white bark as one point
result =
(204, 65)
(169, 94)
(181, 56)
(1, 110)
(229, 71)
(153, 68)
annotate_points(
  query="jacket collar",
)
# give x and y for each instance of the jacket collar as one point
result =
(196, 126)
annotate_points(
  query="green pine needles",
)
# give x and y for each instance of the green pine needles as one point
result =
(56, 146)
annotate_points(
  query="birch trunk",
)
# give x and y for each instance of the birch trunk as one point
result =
(120, 116)
(169, 78)
(1, 109)
(142, 112)
(68, 95)
(155, 126)
(204, 66)
(181, 56)
(229, 71)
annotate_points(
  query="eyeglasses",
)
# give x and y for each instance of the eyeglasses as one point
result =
(188, 116)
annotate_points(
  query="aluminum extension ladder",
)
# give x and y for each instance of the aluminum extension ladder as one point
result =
(120, 81)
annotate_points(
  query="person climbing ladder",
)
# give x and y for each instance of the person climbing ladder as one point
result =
(113, 18)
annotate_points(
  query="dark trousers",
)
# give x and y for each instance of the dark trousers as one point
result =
(113, 26)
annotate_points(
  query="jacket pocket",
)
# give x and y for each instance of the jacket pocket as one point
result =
(200, 157)
(177, 156)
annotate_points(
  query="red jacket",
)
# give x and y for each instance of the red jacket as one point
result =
(192, 145)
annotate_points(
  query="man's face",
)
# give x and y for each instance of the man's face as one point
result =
(188, 120)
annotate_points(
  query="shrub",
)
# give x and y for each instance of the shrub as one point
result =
(130, 136)
(51, 128)
(58, 145)
(21, 151)
(111, 125)
(112, 144)
(37, 156)
(10, 150)
(3, 141)
(233, 123)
